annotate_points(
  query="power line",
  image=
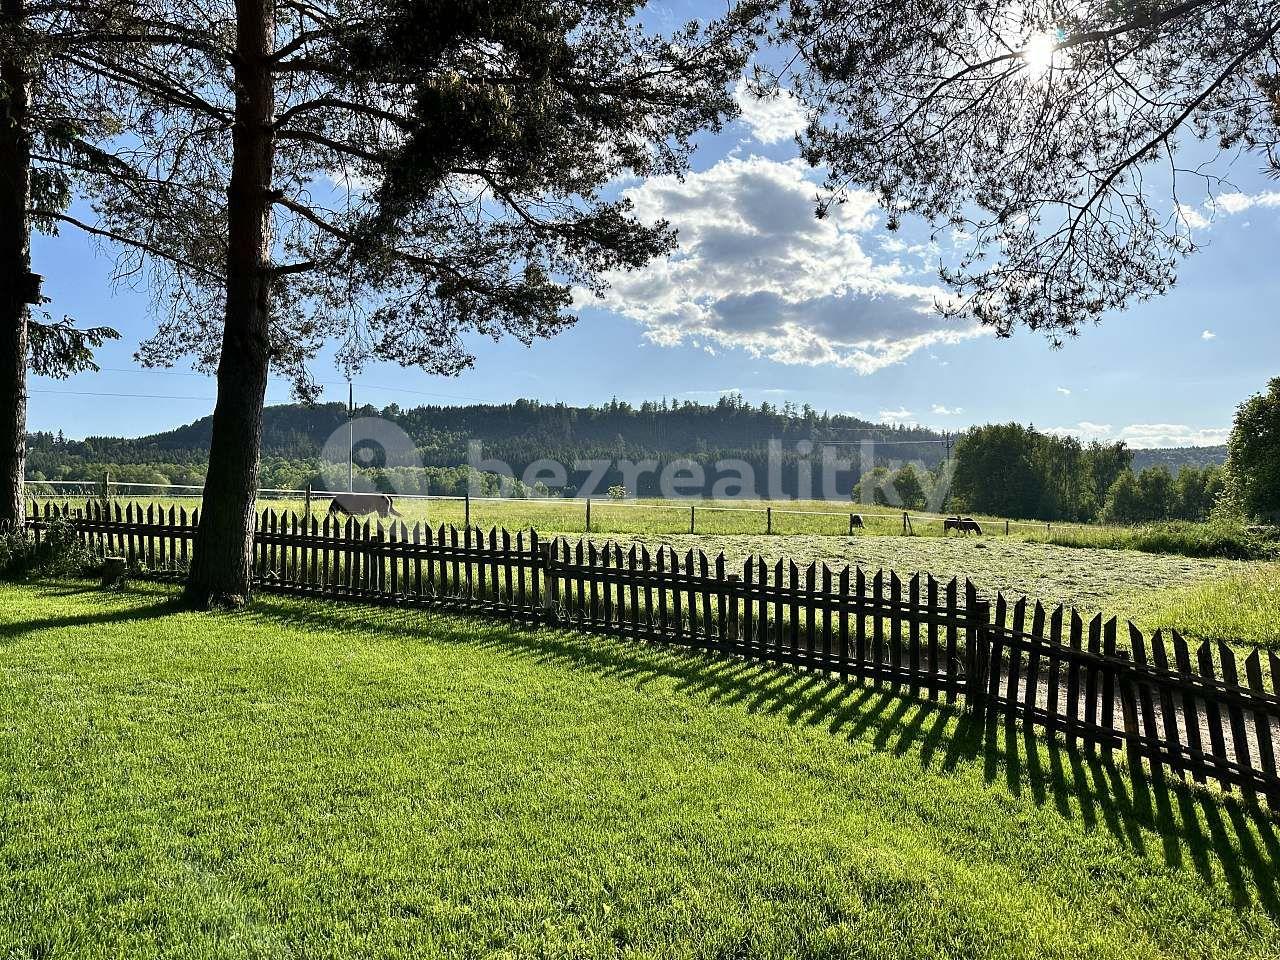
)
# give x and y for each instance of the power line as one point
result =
(131, 396)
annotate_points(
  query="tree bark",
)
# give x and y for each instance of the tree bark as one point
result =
(221, 567)
(15, 266)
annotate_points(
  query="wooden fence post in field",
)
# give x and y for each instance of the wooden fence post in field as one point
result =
(306, 515)
(692, 508)
(1006, 528)
(466, 508)
(768, 519)
(588, 514)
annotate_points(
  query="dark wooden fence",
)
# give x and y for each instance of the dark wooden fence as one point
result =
(1153, 698)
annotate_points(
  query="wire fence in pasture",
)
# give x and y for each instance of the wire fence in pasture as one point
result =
(585, 514)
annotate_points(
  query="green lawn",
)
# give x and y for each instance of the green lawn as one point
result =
(313, 780)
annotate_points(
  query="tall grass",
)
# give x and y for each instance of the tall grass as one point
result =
(1215, 539)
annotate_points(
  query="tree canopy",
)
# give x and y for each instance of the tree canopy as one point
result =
(1253, 456)
(1054, 142)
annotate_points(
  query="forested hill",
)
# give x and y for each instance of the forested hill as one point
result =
(1174, 458)
(538, 429)
(518, 433)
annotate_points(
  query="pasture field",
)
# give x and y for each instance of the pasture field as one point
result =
(329, 780)
(653, 516)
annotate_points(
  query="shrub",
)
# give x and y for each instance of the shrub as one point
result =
(60, 552)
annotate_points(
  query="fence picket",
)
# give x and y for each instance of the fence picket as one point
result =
(1239, 734)
(1150, 734)
(1073, 680)
(953, 632)
(1091, 681)
(843, 589)
(913, 628)
(1053, 668)
(1032, 685)
(1262, 729)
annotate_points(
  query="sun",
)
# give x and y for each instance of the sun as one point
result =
(1039, 51)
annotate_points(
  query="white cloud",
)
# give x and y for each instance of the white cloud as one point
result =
(1208, 335)
(1065, 391)
(771, 119)
(1147, 434)
(758, 272)
(944, 411)
(1173, 435)
(1085, 430)
(724, 392)
(900, 415)
(1192, 217)
(1239, 202)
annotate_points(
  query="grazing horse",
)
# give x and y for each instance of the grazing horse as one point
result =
(855, 520)
(965, 525)
(359, 504)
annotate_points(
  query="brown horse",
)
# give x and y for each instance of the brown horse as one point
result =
(965, 525)
(360, 504)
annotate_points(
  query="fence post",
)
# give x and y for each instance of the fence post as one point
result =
(692, 508)
(768, 519)
(548, 581)
(1006, 528)
(466, 501)
(106, 486)
(588, 514)
(307, 508)
(904, 523)
(851, 524)
(977, 655)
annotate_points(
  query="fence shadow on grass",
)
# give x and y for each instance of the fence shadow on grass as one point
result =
(1226, 839)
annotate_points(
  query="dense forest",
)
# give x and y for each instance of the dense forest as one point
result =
(517, 434)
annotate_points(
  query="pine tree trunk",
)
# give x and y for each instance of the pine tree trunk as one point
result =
(221, 567)
(15, 266)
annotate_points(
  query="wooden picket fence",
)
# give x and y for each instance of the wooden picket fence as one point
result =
(1157, 700)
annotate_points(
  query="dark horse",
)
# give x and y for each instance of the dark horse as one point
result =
(359, 504)
(965, 525)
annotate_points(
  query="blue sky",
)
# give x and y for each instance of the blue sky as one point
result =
(765, 300)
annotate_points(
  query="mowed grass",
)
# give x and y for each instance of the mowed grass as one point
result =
(319, 780)
(1120, 583)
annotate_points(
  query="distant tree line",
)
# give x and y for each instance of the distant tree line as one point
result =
(1006, 470)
